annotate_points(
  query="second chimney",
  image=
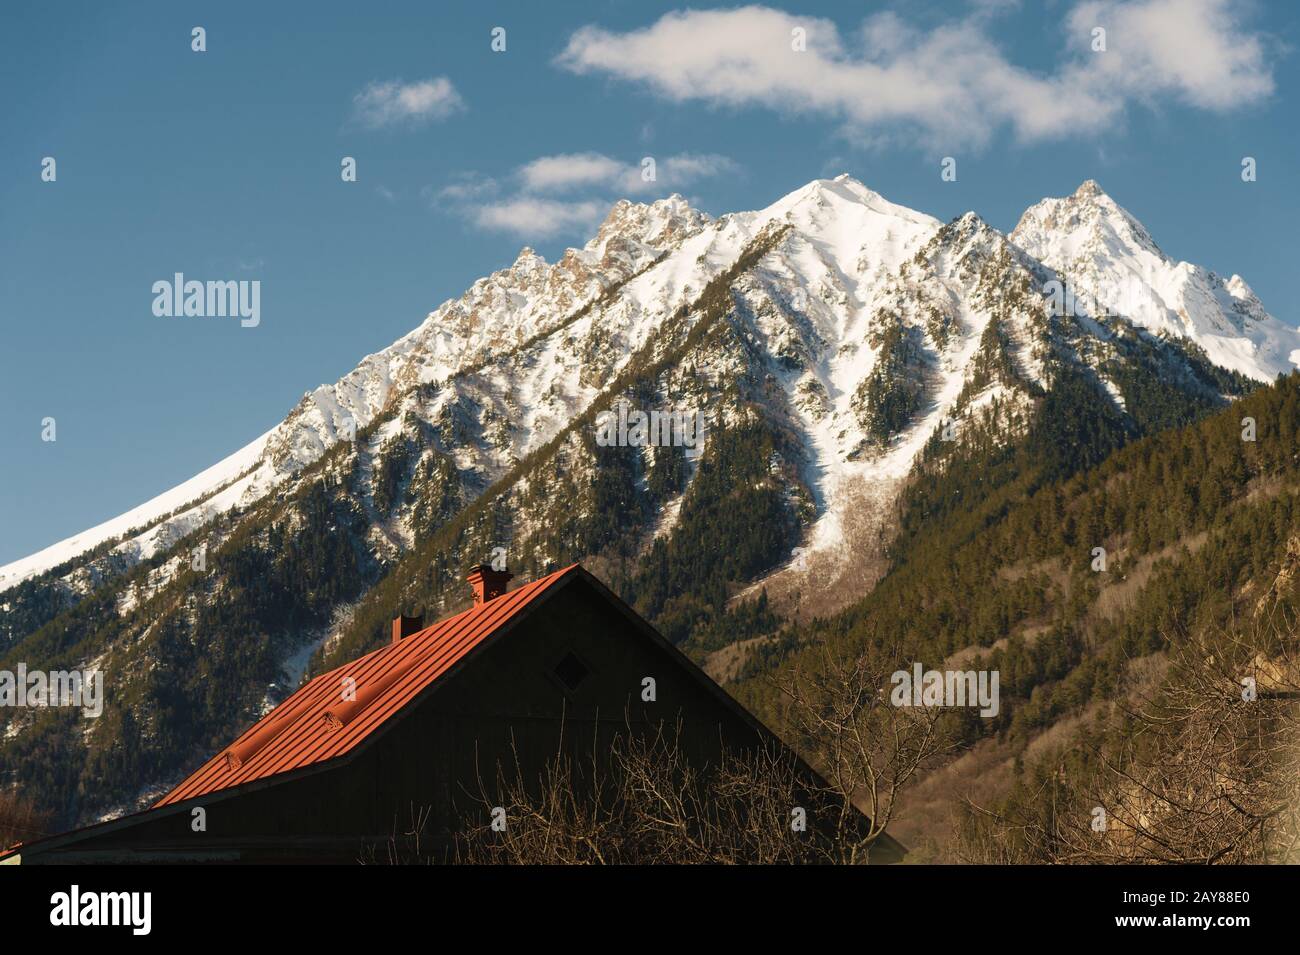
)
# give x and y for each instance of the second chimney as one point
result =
(404, 626)
(488, 584)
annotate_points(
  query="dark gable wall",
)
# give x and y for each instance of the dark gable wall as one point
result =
(436, 753)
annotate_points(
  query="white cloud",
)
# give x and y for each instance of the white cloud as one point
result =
(569, 192)
(685, 168)
(538, 217)
(468, 186)
(569, 171)
(394, 103)
(1196, 49)
(565, 171)
(949, 85)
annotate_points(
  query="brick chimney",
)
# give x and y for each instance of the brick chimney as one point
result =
(488, 584)
(404, 626)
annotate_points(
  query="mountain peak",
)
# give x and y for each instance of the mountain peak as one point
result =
(965, 227)
(675, 201)
(845, 199)
(674, 204)
(1111, 261)
(852, 182)
(847, 247)
(1088, 189)
(843, 185)
(661, 222)
(971, 220)
(527, 260)
(1056, 229)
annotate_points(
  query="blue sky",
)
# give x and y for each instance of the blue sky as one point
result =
(226, 165)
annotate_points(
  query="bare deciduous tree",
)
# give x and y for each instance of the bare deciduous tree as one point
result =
(639, 798)
(20, 821)
(644, 802)
(867, 748)
(1203, 772)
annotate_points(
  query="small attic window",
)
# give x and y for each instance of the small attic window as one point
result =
(571, 671)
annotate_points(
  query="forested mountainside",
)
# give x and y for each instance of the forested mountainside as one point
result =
(995, 568)
(831, 340)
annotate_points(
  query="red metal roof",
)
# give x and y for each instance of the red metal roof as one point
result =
(316, 723)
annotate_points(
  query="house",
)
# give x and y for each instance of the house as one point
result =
(344, 760)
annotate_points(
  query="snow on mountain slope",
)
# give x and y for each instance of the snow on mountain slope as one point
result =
(825, 282)
(934, 284)
(520, 398)
(497, 313)
(860, 295)
(1109, 259)
(541, 387)
(208, 493)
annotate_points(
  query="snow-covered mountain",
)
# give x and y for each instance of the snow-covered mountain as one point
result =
(534, 344)
(495, 314)
(1115, 266)
(836, 344)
